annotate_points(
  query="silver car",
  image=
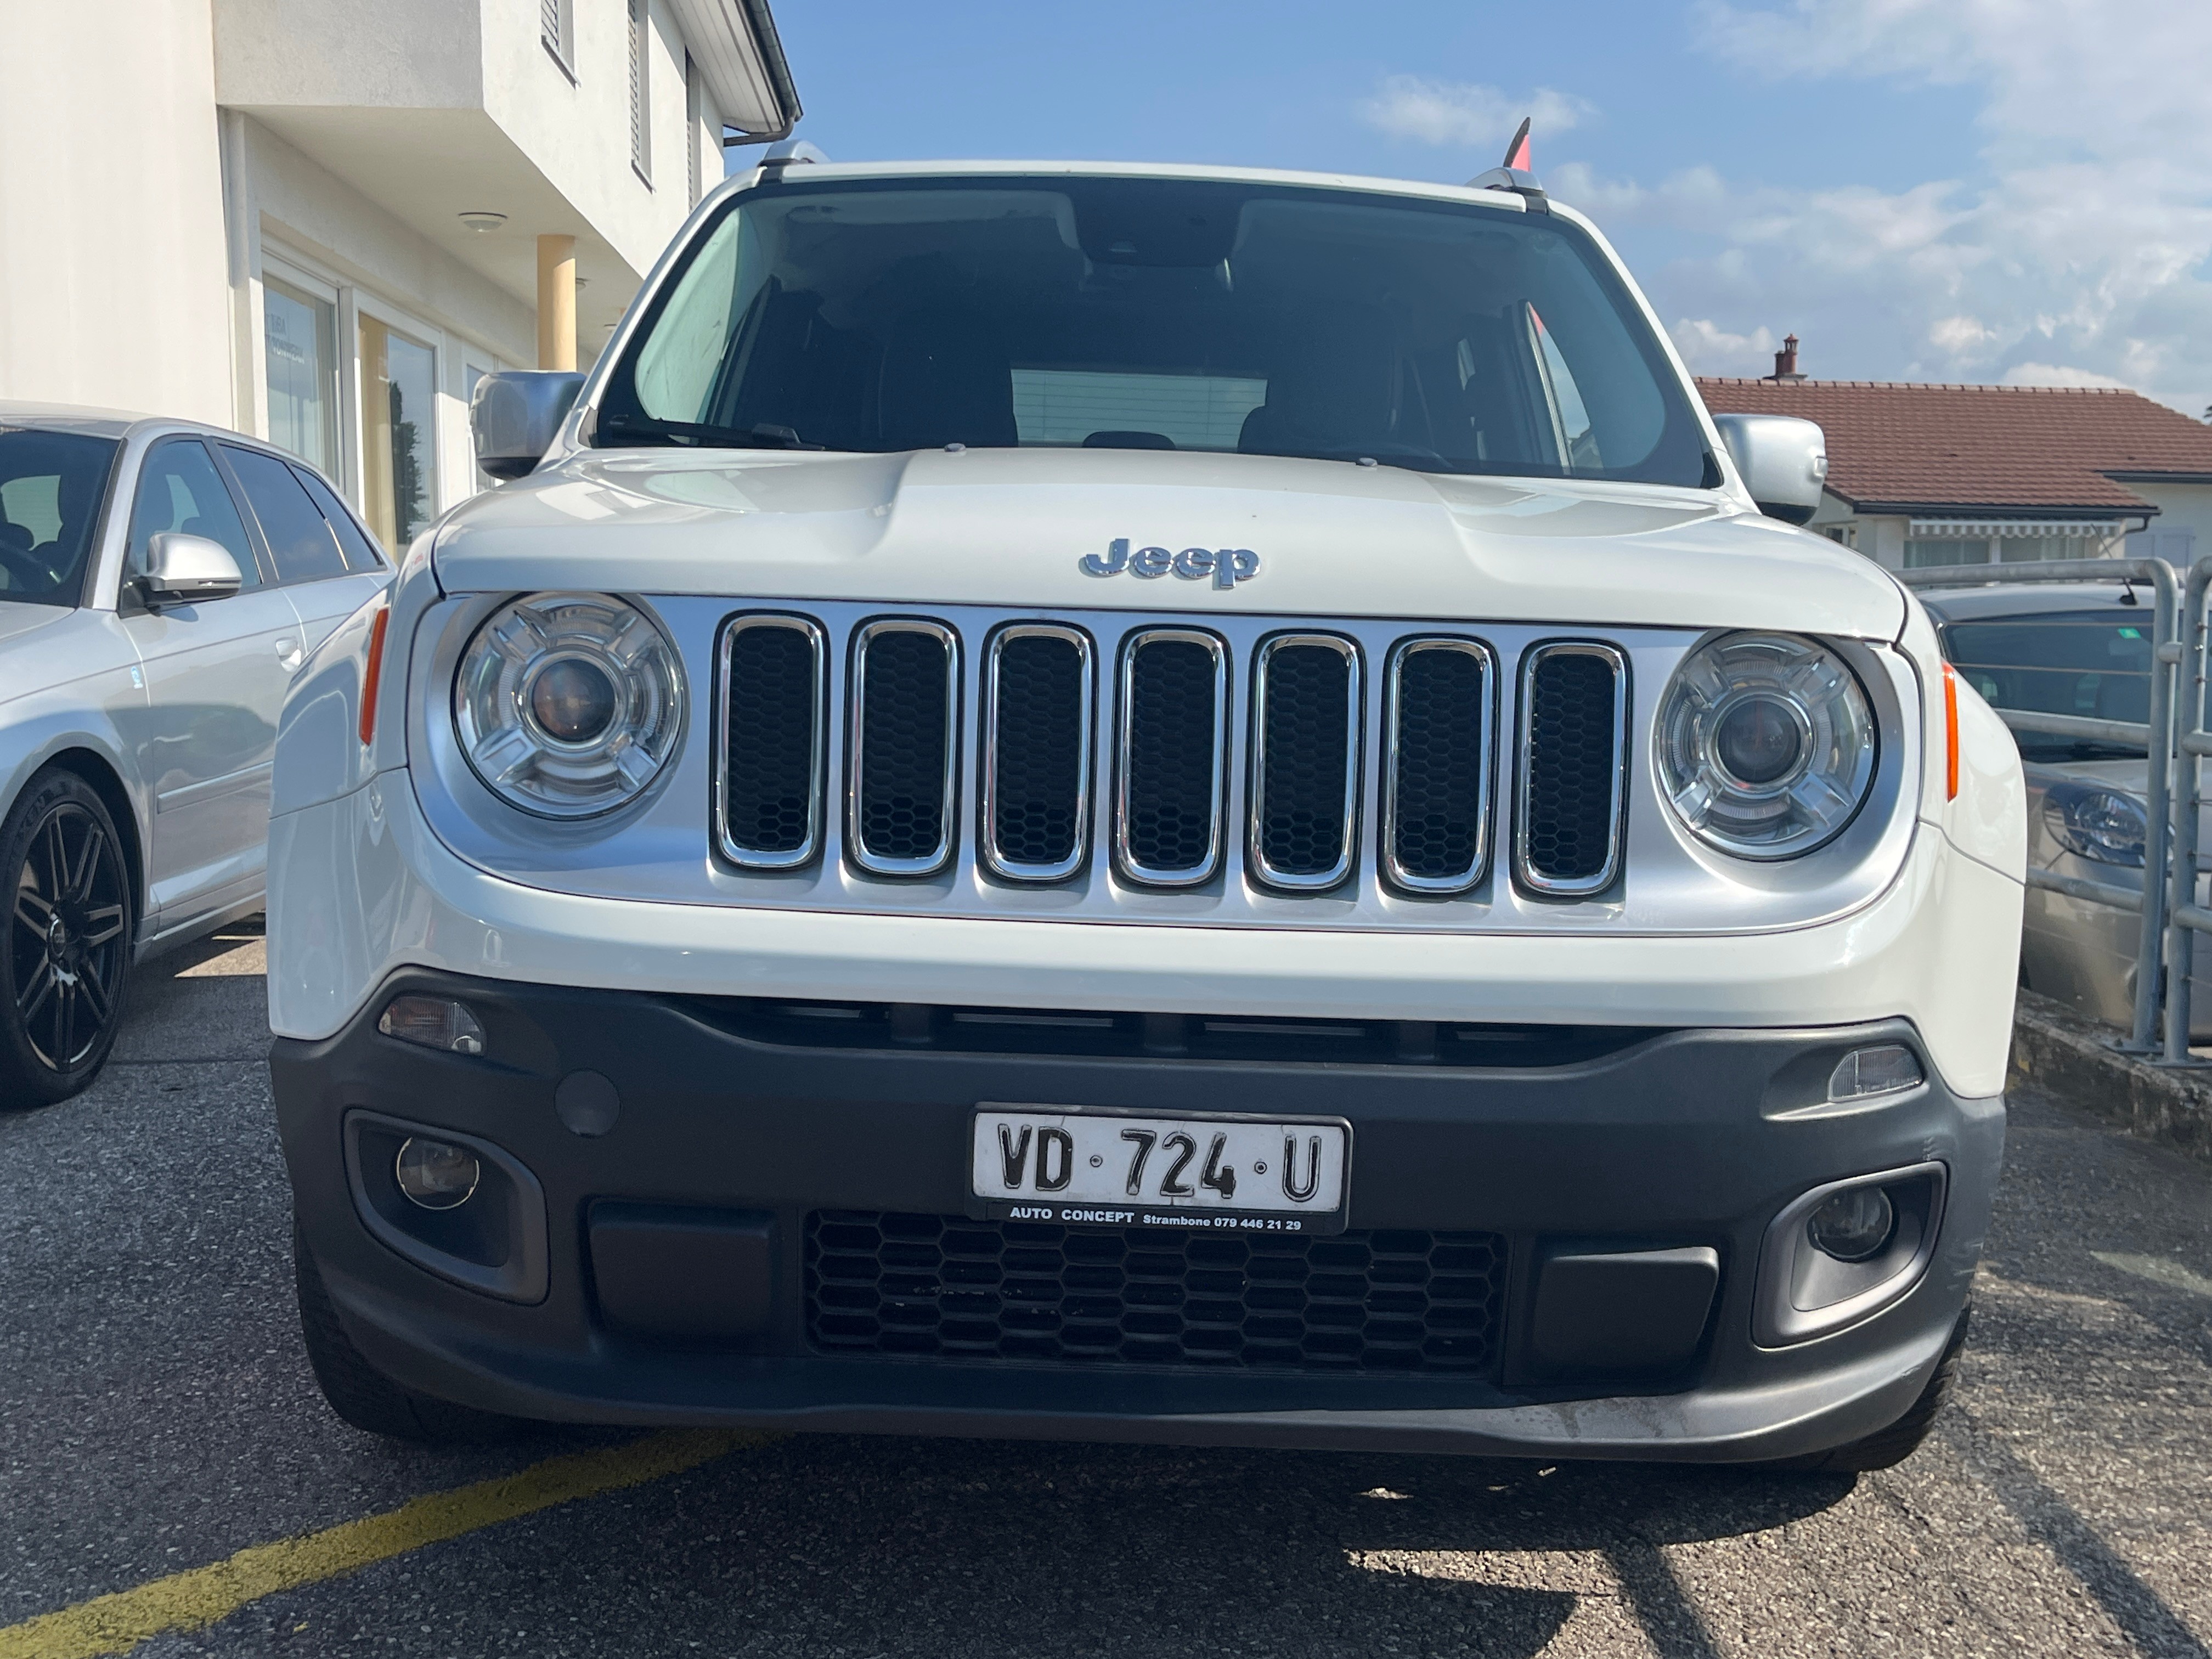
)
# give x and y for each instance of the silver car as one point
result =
(2072, 648)
(161, 583)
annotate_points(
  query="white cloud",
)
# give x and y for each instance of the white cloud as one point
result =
(1465, 115)
(1709, 350)
(1960, 336)
(2083, 248)
(2054, 374)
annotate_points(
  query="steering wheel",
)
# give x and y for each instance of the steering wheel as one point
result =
(25, 573)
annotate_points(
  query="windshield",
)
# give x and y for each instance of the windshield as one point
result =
(51, 484)
(2089, 663)
(1136, 314)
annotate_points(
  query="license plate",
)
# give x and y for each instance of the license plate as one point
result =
(1124, 1168)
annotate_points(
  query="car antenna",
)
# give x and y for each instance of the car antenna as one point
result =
(1517, 174)
(2128, 591)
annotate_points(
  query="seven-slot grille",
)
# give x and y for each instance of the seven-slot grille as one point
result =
(1172, 735)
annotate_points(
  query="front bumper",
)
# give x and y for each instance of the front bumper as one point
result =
(1686, 1141)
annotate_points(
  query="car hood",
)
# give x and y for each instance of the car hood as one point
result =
(2129, 777)
(19, 620)
(1011, 527)
(45, 646)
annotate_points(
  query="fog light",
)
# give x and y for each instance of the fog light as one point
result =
(1884, 1069)
(1851, 1227)
(435, 1174)
(432, 1023)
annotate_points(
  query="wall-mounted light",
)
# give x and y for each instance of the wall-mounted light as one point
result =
(484, 223)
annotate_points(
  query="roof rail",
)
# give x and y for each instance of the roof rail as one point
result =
(789, 151)
(1515, 174)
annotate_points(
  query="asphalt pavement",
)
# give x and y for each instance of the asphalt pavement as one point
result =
(157, 1416)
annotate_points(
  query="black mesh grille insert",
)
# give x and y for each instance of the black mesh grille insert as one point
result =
(774, 707)
(903, 736)
(946, 1288)
(1305, 759)
(1172, 773)
(1436, 781)
(1572, 769)
(1038, 759)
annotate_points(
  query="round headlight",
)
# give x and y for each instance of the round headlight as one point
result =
(568, 704)
(1766, 744)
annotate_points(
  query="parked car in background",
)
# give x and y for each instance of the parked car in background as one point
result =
(2080, 649)
(161, 582)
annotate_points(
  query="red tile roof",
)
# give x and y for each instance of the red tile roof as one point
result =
(1988, 447)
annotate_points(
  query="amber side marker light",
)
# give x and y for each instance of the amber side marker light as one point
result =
(374, 673)
(1950, 722)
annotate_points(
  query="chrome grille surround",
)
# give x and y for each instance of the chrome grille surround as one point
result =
(758, 858)
(656, 850)
(1527, 871)
(1345, 820)
(1388, 848)
(1128, 863)
(856, 757)
(988, 754)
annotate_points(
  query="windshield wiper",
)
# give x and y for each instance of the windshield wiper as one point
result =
(760, 434)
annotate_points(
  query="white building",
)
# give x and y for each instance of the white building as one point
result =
(320, 221)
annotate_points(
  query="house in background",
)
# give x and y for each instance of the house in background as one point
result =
(321, 221)
(1924, 475)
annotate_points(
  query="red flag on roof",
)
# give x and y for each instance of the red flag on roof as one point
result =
(1517, 153)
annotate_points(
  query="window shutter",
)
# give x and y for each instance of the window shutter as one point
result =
(641, 156)
(691, 126)
(549, 22)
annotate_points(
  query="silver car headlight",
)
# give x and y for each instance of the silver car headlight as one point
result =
(568, 704)
(1766, 744)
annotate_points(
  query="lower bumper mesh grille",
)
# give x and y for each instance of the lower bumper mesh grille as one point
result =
(944, 1287)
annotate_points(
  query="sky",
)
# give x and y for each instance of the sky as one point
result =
(2016, 192)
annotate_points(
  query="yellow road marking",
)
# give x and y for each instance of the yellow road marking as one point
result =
(200, 1596)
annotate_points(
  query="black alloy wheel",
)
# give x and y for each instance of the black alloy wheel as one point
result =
(67, 953)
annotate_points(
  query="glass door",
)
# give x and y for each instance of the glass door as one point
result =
(399, 465)
(300, 335)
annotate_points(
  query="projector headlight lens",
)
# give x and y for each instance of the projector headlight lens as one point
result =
(568, 704)
(1766, 744)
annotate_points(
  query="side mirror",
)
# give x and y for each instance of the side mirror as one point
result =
(515, 416)
(1783, 462)
(183, 569)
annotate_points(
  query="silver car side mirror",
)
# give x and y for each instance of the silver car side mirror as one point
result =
(515, 416)
(182, 569)
(1783, 462)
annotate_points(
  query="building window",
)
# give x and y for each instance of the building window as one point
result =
(2023, 549)
(398, 437)
(691, 104)
(641, 88)
(1922, 552)
(556, 27)
(300, 341)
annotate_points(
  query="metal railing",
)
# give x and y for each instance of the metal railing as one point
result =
(2170, 812)
(2192, 742)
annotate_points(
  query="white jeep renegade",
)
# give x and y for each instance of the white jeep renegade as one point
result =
(1143, 803)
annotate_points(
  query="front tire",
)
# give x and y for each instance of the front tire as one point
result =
(65, 959)
(365, 1396)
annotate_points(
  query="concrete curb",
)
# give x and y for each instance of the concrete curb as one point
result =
(2068, 1055)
